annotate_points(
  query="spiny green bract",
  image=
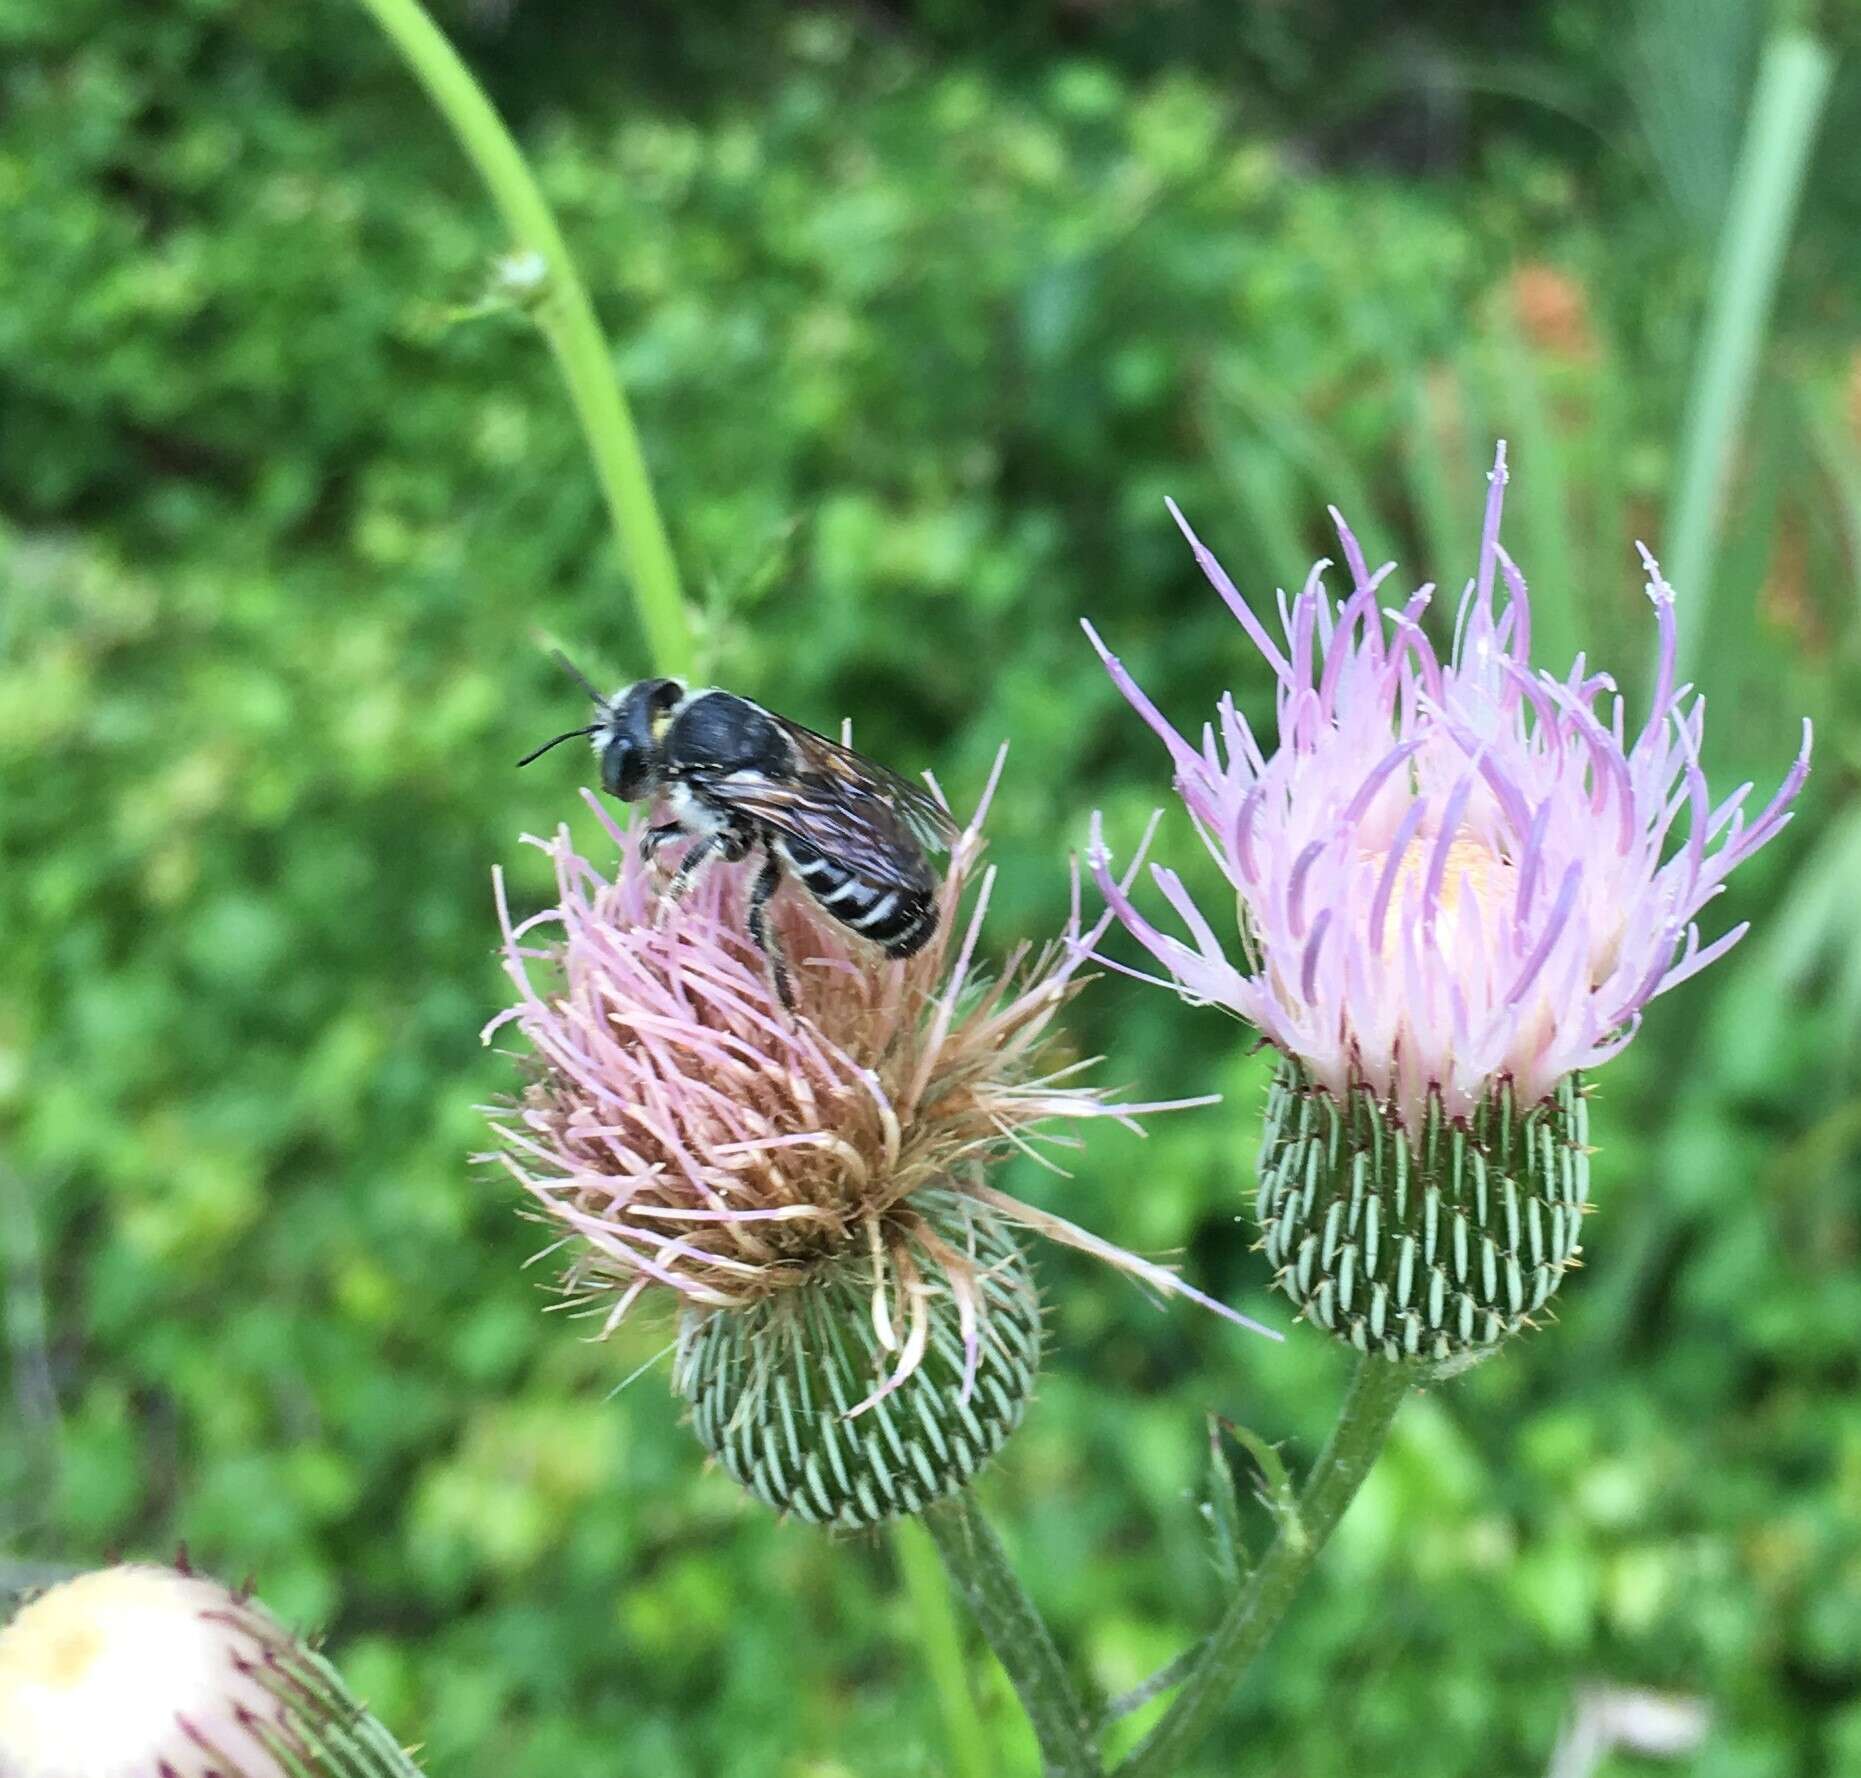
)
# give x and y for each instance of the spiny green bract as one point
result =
(773, 1387)
(1434, 1247)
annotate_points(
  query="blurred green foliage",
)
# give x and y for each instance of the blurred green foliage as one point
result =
(921, 320)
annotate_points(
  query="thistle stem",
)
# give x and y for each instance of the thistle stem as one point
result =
(941, 1638)
(1009, 1619)
(567, 317)
(1376, 1391)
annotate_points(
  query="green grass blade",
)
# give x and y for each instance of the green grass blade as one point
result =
(1792, 85)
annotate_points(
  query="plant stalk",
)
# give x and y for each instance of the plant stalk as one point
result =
(942, 1647)
(567, 317)
(1376, 1391)
(1008, 1618)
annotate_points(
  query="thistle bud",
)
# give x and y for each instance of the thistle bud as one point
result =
(809, 1185)
(148, 1672)
(1434, 1247)
(781, 1392)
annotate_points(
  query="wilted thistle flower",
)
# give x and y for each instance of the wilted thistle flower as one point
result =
(1457, 888)
(859, 1327)
(150, 1672)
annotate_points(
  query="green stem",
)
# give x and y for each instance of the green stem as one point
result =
(1376, 1391)
(568, 321)
(1007, 1617)
(1793, 82)
(942, 1647)
(1166, 1679)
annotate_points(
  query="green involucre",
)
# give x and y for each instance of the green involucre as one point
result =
(1430, 1248)
(772, 1386)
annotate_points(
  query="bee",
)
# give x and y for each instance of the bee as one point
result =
(734, 778)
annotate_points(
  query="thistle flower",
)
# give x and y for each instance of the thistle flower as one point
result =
(150, 1672)
(859, 1326)
(1458, 885)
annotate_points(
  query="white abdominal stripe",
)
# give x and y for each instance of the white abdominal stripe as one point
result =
(899, 919)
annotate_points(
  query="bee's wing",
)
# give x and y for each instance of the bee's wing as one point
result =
(842, 804)
(859, 830)
(913, 804)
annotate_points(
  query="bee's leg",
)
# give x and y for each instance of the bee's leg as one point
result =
(660, 835)
(703, 849)
(768, 880)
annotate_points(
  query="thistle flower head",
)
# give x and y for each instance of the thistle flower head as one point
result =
(692, 1137)
(1458, 881)
(149, 1672)
(1450, 873)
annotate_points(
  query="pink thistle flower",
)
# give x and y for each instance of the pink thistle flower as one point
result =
(695, 1140)
(1458, 885)
(1454, 873)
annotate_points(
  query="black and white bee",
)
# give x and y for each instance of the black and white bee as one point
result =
(733, 778)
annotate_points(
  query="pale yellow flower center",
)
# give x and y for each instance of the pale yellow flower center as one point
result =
(1472, 868)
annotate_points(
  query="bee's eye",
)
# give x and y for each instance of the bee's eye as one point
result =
(617, 773)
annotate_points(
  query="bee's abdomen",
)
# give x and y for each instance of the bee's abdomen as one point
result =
(909, 929)
(901, 920)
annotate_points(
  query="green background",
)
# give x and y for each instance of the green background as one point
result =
(923, 308)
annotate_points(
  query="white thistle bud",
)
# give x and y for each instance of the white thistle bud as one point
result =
(149, 1672)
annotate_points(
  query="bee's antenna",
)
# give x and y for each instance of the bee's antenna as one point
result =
(572, 735)
(580, 678)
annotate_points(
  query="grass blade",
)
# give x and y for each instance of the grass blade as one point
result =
(1792, 85)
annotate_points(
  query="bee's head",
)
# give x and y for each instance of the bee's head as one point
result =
(627, 738)
(626, 733)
